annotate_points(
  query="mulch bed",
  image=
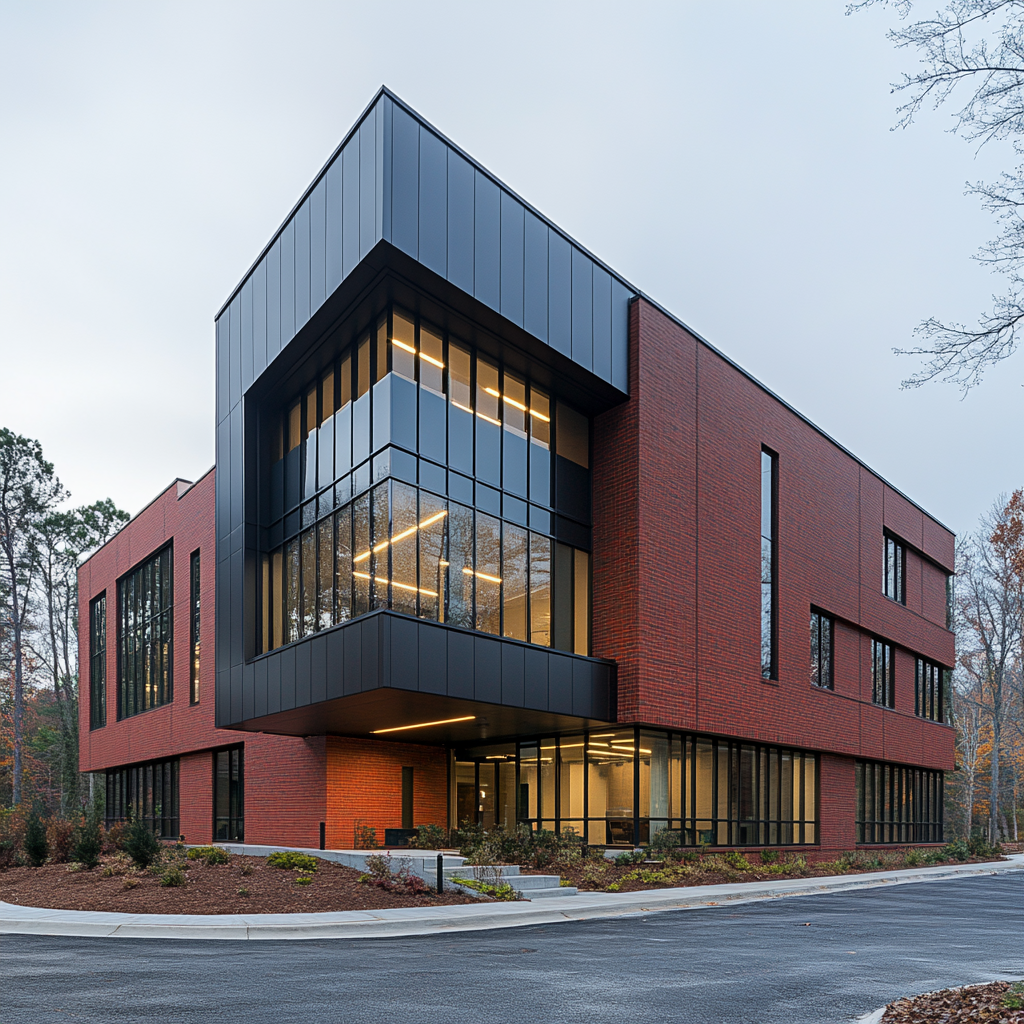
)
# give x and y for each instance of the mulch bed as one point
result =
(973, 1004)
(588, 879)
(208, 890)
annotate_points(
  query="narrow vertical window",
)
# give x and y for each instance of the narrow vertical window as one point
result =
(950, 597)
(98, 662)
(929, 691)
(883, 690)
(821, 650)
(894, 569)
(769, 574)
(194, 634)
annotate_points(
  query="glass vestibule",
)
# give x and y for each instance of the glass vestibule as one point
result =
(618, 787)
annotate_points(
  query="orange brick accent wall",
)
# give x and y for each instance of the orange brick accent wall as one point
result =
(364, 786)
(285, 792)
(837, 803)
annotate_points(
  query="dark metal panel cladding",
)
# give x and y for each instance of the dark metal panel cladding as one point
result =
(405, 141)
(353, 682)
(367, 184)
(222, 697)
(287, 283)
(237, 469)
(460, 665)
(536, 670)
(378, 171)
(235, 686)
(487, 241)
(460, 222)
(559, 294)
(370, 636)
(350, 205)
(621, 296)
(288, 679)
(487, 669)
(405, 658)
(335, 663)
(248, 692)
(274, 683)
(301, 266)
(387, 167)
(259, 318)
(433, 659)
(260, 691)
(332, 226)
(560, 683)
(513, 677)
(222, 610)
(583, 687)
(247, 362)
(236, 654)
(223, 364)
(318, 246)
(318, 668)
(535, 276)
(582, 309)
(433, 203)
(273, 301)
(602, 323)
(235, 378)
(512, 259)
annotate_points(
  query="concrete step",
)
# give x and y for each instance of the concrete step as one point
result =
(480, 870)
(524, 882)
(560, 890)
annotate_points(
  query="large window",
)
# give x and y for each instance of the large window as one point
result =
(229, 795)
(883, 668)
(193, 629)
(144, 626)
(930, 690)
(897, 804)
(894, 569)
(621, 786)
(148, 791)
(98, 662)
(769, 568)
(400, 547)
(822, 628)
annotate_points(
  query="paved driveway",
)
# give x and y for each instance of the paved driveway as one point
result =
(803, 960)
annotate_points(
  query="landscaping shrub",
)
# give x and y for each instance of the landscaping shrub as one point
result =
(429, 837)
(393, 876)
(366, 837)
(630, 857)
(289, 860)
(502, 891)
(957, 850)
(210, 855)
(88, 843)
(114, 837)
(34, 844)
(173, 877)
(140, 842)
(664, 841)
(979, 845)
(769, 856)
(8, 854)
(60, 837)
(303, 880)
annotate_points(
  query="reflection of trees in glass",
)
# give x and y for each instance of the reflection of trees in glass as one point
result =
(460, 553)
(488, 574)
(514, 582)
(433, 560)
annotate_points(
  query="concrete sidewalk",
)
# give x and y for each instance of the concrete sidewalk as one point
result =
(364, 924)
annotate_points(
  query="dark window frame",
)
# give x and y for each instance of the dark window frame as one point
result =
(931, 696)
(194, 625)
(894, 567)
(150, 790)
(133, 696)
(98, 661)
(898, 804)
(883, 673)
(769, 567)
(229, 827)
(823, 627)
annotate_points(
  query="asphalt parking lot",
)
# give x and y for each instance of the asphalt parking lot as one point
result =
(802, 960)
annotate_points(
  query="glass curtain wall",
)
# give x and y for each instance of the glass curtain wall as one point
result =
(144, 624)
(619, 787)
(898, 804)
(147, 790)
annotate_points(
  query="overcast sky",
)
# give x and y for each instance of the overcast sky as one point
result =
(734, 161)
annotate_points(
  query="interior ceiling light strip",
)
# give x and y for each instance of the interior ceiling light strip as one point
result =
(517, 404)
(424, 725)
(395, 583)
(483, 575)
(382, 546)
(423, 355)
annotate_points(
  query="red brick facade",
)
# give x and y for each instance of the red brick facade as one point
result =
(676, 565)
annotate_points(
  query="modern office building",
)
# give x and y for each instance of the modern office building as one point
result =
(496, 537)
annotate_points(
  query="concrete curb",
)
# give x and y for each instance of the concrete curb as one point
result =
(408, 921)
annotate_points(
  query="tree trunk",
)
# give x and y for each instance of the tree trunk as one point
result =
(19, 693)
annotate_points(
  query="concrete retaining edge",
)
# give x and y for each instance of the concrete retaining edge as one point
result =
(410, 921)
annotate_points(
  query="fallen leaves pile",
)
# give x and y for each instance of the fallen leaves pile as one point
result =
(997, 1002)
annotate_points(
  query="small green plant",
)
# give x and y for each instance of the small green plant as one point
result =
(243, 892)
(957, 850)
(979, 845)
(60, 837)
(769, 856)
(664, 841)
(429, 837)
(1014, 997)
(565, 881)
(172, 877)
(74, 867)
(35, 845)
(304, 880)
(140, 842)
(631, 857)
(246, 869)
(393, 876)
(914, 858)
(209, 855)
(366, 837)
(502, 891)
(130, 882)
(88, 842)
(289, 860)
(737, 861)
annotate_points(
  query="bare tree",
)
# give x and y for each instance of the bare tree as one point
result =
(972, 56)
(967, 720)
(29, 490)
